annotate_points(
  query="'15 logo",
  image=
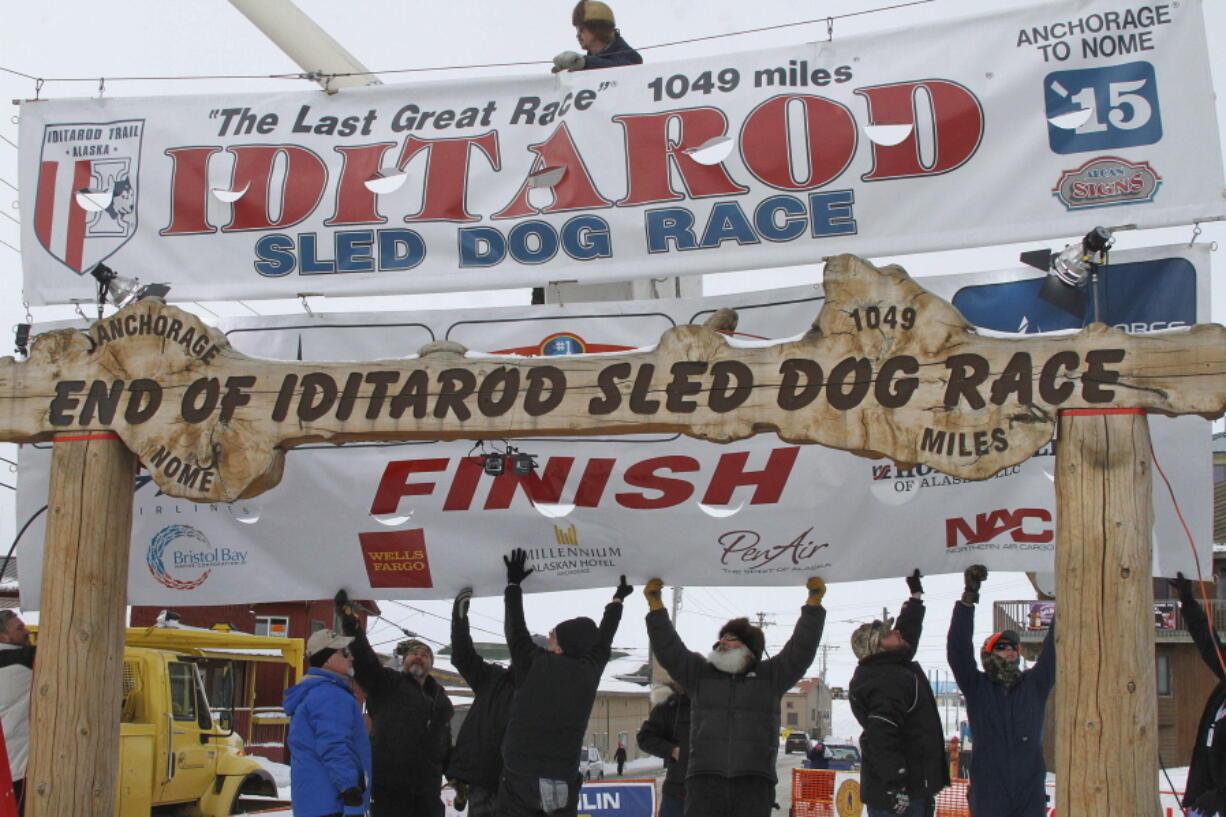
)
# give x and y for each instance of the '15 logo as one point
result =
(992, 524)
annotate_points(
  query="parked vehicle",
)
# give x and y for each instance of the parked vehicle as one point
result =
(177, 750)
(843, 757)
(796, 742)
(591, 767)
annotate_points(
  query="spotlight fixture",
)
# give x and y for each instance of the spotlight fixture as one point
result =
(1070, 269)
(121, 291)
(21, 339)
(495, 465)
(522, 464)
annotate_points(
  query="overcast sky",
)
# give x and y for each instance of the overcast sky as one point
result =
(155, 38)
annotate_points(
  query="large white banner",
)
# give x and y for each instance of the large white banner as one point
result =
(423, 519)
(1012, 126)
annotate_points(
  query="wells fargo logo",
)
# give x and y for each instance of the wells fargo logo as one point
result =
(396, 558)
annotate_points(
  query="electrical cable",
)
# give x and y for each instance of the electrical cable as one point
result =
(315, 76)
(8, 140)
(10, 246)
(8, 556)
(10, 184)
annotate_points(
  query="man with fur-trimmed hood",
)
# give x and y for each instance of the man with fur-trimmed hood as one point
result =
(666, 734)
(598, 36)
(1005, 707)
(734, 694)
(903, 745)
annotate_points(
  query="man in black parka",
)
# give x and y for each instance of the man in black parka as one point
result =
(1205, 791)
(734, 695)
(903, 745)
(666, 734)
(410, 717)
(476, 760)
(555, 687)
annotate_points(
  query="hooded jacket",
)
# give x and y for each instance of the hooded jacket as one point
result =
(668, 727)
(735, 717)
(410, 731)
(553, 695)
(903, 744)
(1007, 725)
(613, 55)
(329, 750)
(1207, 770)
(477, 756)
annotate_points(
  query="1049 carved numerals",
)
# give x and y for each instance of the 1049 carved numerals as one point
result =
(874, 317)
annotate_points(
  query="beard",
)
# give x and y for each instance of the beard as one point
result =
(734, 660)
(1000, 671)
(417, 671)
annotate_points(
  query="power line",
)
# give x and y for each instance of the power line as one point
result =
(10, 184)
(10, 141)
(829, 21)
(10, 246)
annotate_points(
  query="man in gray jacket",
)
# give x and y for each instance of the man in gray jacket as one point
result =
(734, 699)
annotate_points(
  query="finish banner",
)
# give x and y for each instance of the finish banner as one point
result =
(424, 519)
(1011, 126)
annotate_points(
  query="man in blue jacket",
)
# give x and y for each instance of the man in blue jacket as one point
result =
(1005, 707)
(598, 36)
(329, 750)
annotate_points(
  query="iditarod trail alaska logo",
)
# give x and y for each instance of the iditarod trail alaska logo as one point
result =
(88, 184)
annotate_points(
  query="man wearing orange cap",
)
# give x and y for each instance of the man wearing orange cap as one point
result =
(1005, 706)
(597, 33)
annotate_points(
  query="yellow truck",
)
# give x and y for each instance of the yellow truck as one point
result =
(180, 752)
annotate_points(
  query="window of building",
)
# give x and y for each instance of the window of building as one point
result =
(272, 625)
(788, 704)
(793, 719)
(1163, 664)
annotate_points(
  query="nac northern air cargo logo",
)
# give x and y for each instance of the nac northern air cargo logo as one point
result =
(184, 549)
(1004, 529)
(85, 205)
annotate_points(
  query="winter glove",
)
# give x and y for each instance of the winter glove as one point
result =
(1183, 587)
(623, 589)
(568, 61)
(1209, 803)
(352, 796)
(461, 603)
(817, 590)
(350, 623)
(654, 590)
(972, 577)
(516, 570)
(898, 801)
(914, 584)
(460, 801)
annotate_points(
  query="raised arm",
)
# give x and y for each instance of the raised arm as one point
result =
(959, 644)
(790, 664)
(911, 622)
(371, 675)
(608, 624)
(464, 657)
(1044, 669)
(519, 640)
(668, 647)
(1197, 622)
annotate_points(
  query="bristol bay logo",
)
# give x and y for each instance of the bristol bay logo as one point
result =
(85, 206)
(187, 549)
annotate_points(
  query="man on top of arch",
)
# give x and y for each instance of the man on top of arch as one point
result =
(598, 36)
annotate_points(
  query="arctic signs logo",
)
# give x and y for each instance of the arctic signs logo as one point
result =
(85, 206)
(187, 548)
(1022, 528)
(1107, 181)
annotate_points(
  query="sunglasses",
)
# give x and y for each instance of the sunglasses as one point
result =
(1001, 646)
(344, 651)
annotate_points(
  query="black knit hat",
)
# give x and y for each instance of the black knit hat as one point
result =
(576, 636)
(751, 636)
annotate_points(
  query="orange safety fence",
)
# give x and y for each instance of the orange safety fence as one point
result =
(814, 794)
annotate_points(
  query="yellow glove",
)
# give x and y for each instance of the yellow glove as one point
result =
(653, 590)
(817, 590)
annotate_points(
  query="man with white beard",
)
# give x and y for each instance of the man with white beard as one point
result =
(734, 704)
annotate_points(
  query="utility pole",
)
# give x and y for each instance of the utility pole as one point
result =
(762, 622)
(826, 648)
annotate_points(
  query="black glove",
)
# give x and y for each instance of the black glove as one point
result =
(461, 603)
(516, 570)
(1183, 587)
(914, 584)
(460, 801)
(623, 589)
(972, 577)
(352, 796)
(350, 623)
(898, 801)
(1209, 803)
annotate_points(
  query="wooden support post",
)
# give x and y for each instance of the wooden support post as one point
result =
(78, 674)
(1106, 695)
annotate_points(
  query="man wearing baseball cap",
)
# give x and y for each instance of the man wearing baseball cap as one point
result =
(1005, 707)
(598, 36)
(410, 717)
(330, 766)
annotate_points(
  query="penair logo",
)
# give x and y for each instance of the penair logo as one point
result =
(85, 205)
(562, 343)
(1019, 529)
(182, 548)
(1105, 182)
(396, 558)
